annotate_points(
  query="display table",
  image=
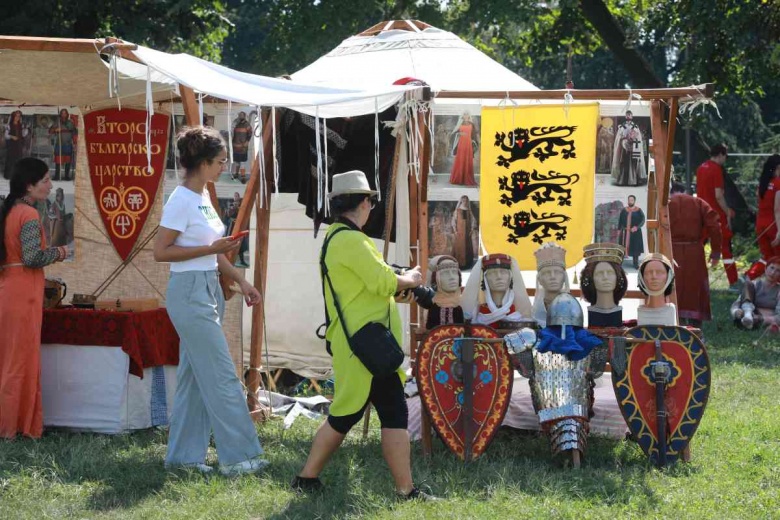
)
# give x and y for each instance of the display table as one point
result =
(107, 371)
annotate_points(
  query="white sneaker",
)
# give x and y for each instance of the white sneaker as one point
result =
(195, 466)
(243, 468)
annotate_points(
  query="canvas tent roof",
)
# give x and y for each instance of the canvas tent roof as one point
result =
(47, 71)
(408, 48)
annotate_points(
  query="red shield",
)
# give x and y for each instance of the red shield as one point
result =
(439, 375)
(685, 395)
(123, 184)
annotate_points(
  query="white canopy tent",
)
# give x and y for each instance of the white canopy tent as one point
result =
(380, 56)
(394, 50)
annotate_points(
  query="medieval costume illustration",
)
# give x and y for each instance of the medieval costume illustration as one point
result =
(604, 284)
(15, 134)
(605, 146)
(495, 294)
(630, 223)
(63, 133)
(691, 217)
(464, 149)
(551, 279)
(759, 302)
(445, 279)
(441, 233)
(656, 281)
(58, 230)
(242, 134)
(465, 244)
(628, 157)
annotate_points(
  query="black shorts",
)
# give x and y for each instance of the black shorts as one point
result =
(387, 396)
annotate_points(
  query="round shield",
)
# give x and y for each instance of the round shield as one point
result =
(682, 378)
(440, 373)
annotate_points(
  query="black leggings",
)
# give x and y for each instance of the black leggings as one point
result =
(387, 396)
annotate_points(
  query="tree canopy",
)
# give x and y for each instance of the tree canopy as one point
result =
(609, 43)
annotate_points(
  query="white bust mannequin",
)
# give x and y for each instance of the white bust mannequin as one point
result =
(655, 277)
(552, 279)
(605, 281)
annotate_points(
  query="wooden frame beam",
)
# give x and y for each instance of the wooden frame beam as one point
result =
(699, 91)
(31, 43)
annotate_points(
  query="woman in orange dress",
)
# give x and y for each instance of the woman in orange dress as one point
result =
(462, 172)
(23, 254)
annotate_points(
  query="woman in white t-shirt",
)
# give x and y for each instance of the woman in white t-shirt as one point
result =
(209, 397)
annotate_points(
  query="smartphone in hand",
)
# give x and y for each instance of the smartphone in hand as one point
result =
(239, 235)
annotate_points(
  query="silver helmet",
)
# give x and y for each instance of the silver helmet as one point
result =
(565, 310)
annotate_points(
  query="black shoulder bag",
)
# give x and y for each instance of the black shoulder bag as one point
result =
(374, 344)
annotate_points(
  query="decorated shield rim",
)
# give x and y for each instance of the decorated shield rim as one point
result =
(697, 399)
(451, 332)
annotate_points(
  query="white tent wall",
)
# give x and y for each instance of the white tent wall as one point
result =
(294, 306)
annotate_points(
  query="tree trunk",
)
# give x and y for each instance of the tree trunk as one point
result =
(638, 68)
(597, 13)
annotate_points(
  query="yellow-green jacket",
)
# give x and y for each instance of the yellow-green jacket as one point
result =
(365, 286)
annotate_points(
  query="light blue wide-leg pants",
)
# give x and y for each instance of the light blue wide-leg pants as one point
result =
(209, 396)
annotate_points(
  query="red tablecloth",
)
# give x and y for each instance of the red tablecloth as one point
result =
(148, 337)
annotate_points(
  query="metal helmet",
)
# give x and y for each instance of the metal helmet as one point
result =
(565, 310)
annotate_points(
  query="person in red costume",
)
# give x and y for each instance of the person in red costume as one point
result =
(768, 219)
(709, 187)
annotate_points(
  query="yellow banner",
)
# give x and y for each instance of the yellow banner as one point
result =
(537, 183)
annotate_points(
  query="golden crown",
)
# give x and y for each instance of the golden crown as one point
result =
(604, 252)
(550, 254)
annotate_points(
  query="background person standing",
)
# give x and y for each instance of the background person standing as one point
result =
(709, 188)
(768, 218)
(689, 218)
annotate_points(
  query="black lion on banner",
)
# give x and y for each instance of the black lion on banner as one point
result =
(539, 186)
(524, 224)
(520, 145)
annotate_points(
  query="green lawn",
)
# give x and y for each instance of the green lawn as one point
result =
(735, 472)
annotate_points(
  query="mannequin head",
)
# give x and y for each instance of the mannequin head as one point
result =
(654, 274)
(446, 275)
(552, 278)
(498, 280)
(598, 278)
(656, 278)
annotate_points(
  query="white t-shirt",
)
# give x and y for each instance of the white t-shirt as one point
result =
(198, 225)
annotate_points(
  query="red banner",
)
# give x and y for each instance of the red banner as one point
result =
(123, 184)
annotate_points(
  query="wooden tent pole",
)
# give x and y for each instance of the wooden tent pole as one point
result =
(263, 223)
(661, 141)
(425, 162)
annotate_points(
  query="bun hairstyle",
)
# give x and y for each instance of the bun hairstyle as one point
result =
(197, 145)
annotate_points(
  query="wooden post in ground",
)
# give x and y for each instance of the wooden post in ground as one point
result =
(662, 155)
(263, 221)
(422, 222)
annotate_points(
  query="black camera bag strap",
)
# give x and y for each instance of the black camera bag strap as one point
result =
(324, 275)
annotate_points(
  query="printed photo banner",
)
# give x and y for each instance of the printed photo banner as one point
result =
(538, 169)
(122, 182)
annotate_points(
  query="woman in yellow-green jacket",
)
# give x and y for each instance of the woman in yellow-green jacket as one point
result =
(365, 287)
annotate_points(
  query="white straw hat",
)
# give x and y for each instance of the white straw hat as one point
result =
(350, 182)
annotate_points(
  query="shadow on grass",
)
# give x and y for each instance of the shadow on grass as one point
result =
(123, 469)
(357, 481)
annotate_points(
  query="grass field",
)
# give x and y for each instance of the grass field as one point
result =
(735, 471)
